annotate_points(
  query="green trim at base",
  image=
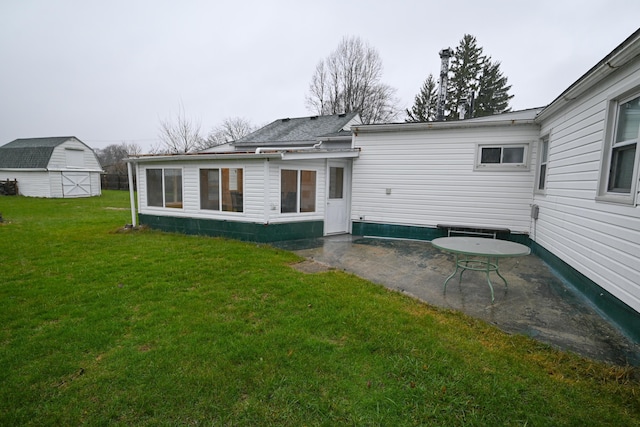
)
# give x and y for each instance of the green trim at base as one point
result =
(248, 231)
(623, 316)
(618, 313)
(415, 232)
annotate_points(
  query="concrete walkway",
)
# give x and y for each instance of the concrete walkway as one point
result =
(536, 303)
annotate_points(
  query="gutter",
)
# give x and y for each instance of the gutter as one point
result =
(457, 124)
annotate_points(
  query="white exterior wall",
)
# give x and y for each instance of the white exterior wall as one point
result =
(58, 160)
(31, 184)
(48, 183)
(600, 240)
(431, 178)
(261, 193)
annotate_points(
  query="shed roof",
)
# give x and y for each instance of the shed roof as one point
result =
(300, 130)
(29, 152)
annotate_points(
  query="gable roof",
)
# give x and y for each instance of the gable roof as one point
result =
(29, 153)
(300, 130)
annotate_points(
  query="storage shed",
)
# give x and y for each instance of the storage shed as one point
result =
(51, 167)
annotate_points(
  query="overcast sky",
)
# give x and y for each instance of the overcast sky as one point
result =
(108, 71)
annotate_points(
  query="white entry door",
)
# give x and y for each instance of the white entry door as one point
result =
(338, 187)
(76, 184)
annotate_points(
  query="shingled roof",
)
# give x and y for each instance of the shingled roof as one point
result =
(29, 153)
(299, 130)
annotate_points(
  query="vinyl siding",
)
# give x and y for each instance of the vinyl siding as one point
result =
(261, 194)
(58, 160)
(600, 240)
(431, 178)
(32, 184)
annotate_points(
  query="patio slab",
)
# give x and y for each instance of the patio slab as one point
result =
(537, 303)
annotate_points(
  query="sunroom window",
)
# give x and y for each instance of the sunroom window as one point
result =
(222, 189)
(164, 187)
(297, 191)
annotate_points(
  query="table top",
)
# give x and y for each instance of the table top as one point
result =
(481, 246)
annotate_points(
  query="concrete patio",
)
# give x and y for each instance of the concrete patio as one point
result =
(537, 303)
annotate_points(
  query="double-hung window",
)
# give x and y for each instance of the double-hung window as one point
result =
(502, 156)
(297, 191)
(542, 164)
(221, 189)
(164, 187)
(621, 156)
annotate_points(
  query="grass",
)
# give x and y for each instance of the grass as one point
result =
(105, 327)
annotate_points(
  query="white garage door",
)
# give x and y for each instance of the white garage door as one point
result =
(76, 184)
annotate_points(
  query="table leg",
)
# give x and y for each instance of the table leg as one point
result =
(452, 274)
(498, 273)
(488, 278)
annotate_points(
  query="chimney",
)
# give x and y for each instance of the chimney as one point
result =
(445, 54)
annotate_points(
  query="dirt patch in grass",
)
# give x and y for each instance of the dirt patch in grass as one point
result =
(311, 266)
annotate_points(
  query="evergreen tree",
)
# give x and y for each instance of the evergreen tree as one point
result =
(465, 70)
(425, 104)
(493, 91)
(476, 87)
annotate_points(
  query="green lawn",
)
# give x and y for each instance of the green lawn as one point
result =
(102, 326)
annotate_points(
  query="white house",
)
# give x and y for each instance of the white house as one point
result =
(410, 177)
(563, 179)
(566, 176)
(51, 167)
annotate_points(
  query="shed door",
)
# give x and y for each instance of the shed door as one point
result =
(337, 211)
(76, 184)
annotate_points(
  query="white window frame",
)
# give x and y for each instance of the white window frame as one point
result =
(524, 166)
(608, 146)
(299, 171)
(543, 161)
(163, 182)
(220, 187)
(74, 157)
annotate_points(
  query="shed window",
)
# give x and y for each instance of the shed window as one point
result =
(222, 189)
(620, 157)
(74, 158)
(164, 187)
(297, 191)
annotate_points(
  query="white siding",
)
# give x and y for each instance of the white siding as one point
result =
(261, 190)
(431, 178)
(600, 240)
(49, 183)
(32, 184)
(58, 160)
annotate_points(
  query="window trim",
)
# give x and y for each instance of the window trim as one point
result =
(506, 167)
(299, 171)
(163, 188)
(544, 142)
(611, 121)
(220, 169)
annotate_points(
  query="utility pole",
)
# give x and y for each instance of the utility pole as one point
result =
(445, 54)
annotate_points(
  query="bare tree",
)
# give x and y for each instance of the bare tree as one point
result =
(179, 136)
(112, 156)
(231, 129)
(349, 80)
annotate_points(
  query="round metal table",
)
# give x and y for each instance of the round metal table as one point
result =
(479, 254)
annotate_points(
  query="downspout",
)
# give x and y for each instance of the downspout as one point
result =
(132, 198)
